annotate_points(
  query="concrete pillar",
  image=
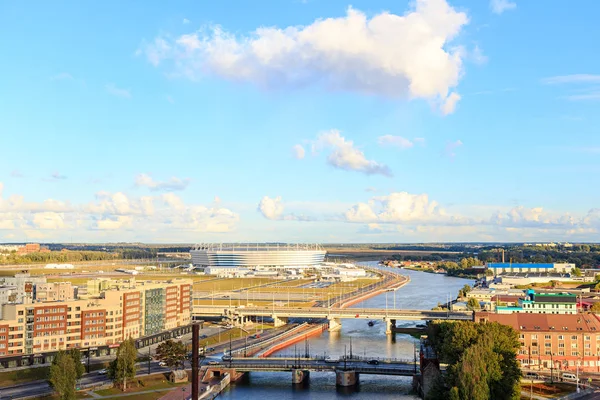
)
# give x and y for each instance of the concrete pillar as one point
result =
(277, 321)
(299, 375)
(334, 324)
(346, 378)
(389, 325)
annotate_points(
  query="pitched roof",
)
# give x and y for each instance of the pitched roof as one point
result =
(545, 322)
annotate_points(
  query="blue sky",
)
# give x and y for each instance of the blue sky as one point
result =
(325, 121)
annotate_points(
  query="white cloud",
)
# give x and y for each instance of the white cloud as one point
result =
(173, 183)
(575, 78)
(298, 152)
(185, 21)
(119, 92)
(114, 223)
(397, 56)
(449, 105)
(49, 220)
(450, 149)
(271, 208)
(400, 207)
(499, 6)
(345, 156)
(396, 141)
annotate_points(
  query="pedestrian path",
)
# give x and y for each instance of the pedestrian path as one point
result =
(112, 396)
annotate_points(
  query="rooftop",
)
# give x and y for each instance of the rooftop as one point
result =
(545, 322)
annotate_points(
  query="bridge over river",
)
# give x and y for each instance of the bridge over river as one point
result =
(347, 372)
(280, 315)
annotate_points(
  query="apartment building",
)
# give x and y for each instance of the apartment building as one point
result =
(96, 325)
(557, 341)
(24, 283)
(54, 291)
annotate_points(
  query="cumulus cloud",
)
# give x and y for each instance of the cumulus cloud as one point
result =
(397, 56)
(114, 212)
(298, 151)
(111, 88)
(271, 208)
(173, 183)
(401, 207)
(344, 155)
(449, 104)
(499, 6)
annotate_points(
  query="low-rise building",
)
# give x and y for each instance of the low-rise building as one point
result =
(542, 303)
(501, 268)
(556, 342)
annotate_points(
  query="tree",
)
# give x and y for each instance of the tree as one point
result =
(576, 271)
(123, 367)
(171, 353)
(75, 354)
(63, 376)
(481, 357)
(473, 304)
(595, 308)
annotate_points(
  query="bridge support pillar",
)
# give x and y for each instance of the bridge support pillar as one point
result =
(279, 321)
(334, 324)
(346, 378)
(300, 376)
(389, 325)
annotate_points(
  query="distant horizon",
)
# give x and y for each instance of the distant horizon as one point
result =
(319, 243)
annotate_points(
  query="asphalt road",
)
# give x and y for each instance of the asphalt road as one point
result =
(41, 388)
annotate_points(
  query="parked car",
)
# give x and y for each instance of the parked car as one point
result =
(203, 336)
(569, 377)
(373, 362)
(179, 337)
(162, 364)
(332, 360)
(213, 363)
(103, 372)
(210, 349)
(226, 357)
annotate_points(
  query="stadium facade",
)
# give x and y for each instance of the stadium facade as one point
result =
(257, 255)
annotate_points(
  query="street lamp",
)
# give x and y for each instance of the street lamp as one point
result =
(551, 368)
(183, 393)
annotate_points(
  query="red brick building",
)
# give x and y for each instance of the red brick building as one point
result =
(554, 340)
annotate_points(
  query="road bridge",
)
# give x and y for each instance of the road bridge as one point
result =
(347, 372)
(334, 315)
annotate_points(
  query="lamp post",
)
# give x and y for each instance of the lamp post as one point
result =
(551, 368)
(577, 376)
(183, 393)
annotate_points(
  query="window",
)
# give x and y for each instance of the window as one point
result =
(574, 353)
(574, 337)
(533, 337)
(561, 353)
(547, 337)
(561, 337)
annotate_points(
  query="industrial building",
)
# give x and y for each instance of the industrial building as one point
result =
(515, 268)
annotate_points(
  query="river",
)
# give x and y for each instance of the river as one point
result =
(424, 292)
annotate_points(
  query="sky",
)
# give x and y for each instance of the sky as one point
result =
(299, 121)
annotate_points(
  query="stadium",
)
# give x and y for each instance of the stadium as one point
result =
(257, 255)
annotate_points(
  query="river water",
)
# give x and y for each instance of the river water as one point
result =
(424, 292)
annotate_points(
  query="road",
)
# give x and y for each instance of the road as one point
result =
(383, 367)
(41, 388)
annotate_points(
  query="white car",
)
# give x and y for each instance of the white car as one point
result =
(162, 364)
(103, 372)
(178, 337)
